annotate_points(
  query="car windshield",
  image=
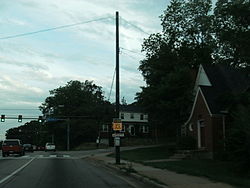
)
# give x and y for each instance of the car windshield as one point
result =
(50, 144)
(13, 143)
(27, 145)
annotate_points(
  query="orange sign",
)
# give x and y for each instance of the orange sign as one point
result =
(117, 126)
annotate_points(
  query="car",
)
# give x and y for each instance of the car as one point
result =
(40, 148)
(50, 147)
(12, 146)
(28, 147)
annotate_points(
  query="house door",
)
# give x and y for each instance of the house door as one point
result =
(201, 133)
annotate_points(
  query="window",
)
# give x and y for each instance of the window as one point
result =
(132, 116)
(146, 117)
(202, 123)
(144, 129)
(105, 128)
(141, 117)
(132, 130)
(141, 129)
(123, 128)
(122, 115)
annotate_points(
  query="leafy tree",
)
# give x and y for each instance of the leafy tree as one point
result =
(83, 105)
(171, 57)
(232, 27)
(238, 139)
(31, 132)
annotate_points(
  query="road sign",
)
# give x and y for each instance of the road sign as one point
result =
(118, 135)
(53, 119)
(117, 126)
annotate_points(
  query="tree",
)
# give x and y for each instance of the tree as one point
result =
(83, 104)
(238, 139)
(171, 57)
(232, 27)
(31, 132)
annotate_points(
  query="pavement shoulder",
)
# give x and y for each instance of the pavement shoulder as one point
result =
(126, 168)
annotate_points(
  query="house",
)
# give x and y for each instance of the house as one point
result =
(134, 124)
(207, 122)
(134, 121)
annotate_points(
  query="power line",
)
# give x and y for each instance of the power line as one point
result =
(131, 57)
(135, 26)
(20, 109)
(53, 28)
(112, 84)
(132, 51)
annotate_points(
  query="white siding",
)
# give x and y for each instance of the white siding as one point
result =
(137, 117)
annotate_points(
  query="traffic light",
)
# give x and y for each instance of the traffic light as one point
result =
(2, 118)
(20, 118)
(40, 119)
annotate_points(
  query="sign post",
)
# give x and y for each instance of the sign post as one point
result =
(117, 127)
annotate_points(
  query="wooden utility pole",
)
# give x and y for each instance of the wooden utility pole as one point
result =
(117, 102)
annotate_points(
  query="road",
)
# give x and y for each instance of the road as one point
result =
(60, 170)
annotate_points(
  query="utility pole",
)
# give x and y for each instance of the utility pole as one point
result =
(117, 106)
(117, 101)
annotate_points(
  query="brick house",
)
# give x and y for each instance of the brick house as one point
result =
(207, 122)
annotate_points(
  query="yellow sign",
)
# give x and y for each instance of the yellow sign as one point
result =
(117, 126)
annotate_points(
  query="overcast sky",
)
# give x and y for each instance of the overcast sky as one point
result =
(31, 65)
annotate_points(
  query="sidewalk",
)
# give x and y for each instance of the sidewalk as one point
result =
(159, 177)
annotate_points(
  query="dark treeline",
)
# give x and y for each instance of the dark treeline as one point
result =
(193, 33)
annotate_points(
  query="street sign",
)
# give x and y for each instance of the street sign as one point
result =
(53, 119)
(118, 135)
(117, 126)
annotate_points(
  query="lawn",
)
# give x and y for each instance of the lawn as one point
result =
(214, 170)
(144, 154)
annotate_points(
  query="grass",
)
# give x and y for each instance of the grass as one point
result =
(142, 154)
(214, 170)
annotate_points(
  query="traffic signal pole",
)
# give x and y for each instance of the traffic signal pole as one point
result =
(117, 106)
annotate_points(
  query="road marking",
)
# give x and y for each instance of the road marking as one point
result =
(53, 156)
(16, 171)
(35, 156)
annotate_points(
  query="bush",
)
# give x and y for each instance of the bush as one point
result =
(186, 142)
(238, 140)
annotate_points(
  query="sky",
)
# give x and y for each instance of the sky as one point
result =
(37, 62)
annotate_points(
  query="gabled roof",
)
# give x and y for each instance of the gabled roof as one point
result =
(223, 79)
(131, 108)
(215, 81)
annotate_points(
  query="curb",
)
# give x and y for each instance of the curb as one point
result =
(137, 176)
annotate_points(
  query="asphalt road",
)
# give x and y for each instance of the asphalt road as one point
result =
(58, 170)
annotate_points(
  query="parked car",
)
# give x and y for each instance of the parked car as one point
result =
(28, 147)
(50, 147)
(40, 148)
(12, 146)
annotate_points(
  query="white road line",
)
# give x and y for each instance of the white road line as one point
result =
(16, 171)
(66, 156)
(53, 156)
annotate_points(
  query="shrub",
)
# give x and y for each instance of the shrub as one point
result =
(186, 142)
